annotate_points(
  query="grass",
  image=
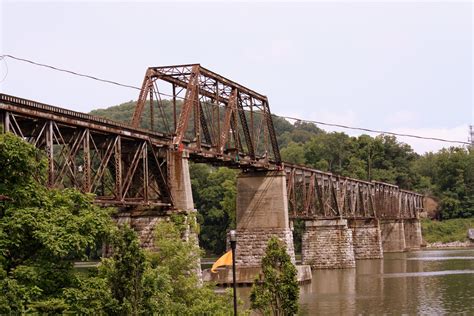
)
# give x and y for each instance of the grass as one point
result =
(447, 230)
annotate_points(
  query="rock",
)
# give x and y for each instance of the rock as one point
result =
(470, 234)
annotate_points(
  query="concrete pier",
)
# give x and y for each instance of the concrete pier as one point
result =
(413, 237)
(393, 235)
(327, 244)
(262, 212)
(366, 238)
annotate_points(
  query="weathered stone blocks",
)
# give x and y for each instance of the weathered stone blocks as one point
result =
(366, 238)
(393, 235)
(413, 237)
(327, 244)
(262, 212)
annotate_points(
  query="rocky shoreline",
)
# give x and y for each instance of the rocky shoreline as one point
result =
(453, 244)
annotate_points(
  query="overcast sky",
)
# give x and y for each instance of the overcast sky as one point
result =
(396, 66)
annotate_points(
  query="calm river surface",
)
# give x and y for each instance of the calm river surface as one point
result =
(424, 282)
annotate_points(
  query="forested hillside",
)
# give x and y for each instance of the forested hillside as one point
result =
(447, 175)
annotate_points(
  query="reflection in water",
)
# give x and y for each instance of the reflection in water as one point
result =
(401, 283)
(398, 284)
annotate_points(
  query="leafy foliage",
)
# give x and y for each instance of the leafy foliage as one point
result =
(42, 232)
(447, 230)
(214, 193)
(276, 291)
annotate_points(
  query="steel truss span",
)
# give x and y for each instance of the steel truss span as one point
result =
(214, 119)
(120, 165)
(316, 194)
(219, 117)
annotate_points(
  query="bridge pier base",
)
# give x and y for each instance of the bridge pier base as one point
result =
(413, 237)
(327, 244)
(262, 213)
(366, 238)
(393, 235)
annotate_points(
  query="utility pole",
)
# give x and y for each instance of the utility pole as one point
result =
(471, 135)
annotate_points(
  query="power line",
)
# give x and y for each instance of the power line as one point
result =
(376, 131)
(69, 72)
(286, 117)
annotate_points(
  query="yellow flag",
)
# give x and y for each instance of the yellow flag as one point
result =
(225, 260)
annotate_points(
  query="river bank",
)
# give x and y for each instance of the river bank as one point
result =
(450, 245)
(451, 233)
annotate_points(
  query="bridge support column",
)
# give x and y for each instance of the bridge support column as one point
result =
(413, 237)
(366, 238)
(262, 212)
(393, 235)
(179, 181)
(327, 244)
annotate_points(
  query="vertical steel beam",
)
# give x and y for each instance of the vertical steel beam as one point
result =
(145, 172)
(50, 152)
(189, 100)
(118, 168)
(86, 185)
(6, 124)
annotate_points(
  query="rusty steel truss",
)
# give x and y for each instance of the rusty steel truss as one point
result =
(211, 115)
(316, 194)
(120, 165)
(214, 119)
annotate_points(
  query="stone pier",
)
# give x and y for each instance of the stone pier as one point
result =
(327, 244)
(413, 237)
(143, 220)
(262, 212)
(366, 238)
(393, 235)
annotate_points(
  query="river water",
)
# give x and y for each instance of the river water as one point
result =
(425, 282)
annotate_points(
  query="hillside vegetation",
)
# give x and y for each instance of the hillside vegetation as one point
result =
(448, 174)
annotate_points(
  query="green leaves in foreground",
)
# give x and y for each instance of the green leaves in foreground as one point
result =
(276, 292)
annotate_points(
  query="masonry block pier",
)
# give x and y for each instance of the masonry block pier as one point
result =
(366, 238)
(393, 235)
(327, 244)
(413, 237)
(262, 212)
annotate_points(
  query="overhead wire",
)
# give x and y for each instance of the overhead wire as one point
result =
(281, 116)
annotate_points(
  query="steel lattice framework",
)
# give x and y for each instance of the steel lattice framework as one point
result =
(215, 116)
(217, 121)
(316, 194)
(120, 165)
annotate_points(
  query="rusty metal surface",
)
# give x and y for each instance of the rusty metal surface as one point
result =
(127, 166)
(217, 115)
(316, 194)
(122, 166)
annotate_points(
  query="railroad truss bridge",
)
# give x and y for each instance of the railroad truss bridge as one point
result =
(193, 114)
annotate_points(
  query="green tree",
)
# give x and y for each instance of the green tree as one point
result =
(214, 193)
(125, 272)
(293, 153)
(276, 291)
(179, 290)
(42, 232)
